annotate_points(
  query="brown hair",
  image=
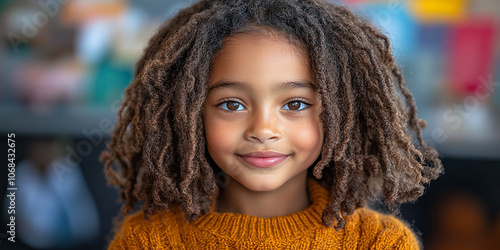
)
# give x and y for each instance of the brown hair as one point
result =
(368, 152)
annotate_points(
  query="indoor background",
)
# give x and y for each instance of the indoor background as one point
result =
(65, 63)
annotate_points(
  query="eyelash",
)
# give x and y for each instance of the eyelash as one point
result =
(301, 101)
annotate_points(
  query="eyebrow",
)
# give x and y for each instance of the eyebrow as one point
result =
(246, 86)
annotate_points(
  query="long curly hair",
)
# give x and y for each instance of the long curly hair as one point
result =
(373, 147)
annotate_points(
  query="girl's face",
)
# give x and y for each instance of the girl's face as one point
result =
(262, 113)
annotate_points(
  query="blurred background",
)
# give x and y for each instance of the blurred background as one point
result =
(64, 66)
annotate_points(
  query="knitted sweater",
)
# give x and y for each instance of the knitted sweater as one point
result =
(365, 229)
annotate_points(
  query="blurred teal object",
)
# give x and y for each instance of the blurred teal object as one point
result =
(110, 80)
(5, 3)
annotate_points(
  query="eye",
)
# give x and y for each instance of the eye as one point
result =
(231, 106)
(296, 105)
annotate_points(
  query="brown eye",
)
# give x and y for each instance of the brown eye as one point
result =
(293, 105)
(231, 106)
(296, 105)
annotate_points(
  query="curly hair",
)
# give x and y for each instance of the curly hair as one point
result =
(373, 147)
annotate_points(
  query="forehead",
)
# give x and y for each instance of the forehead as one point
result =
(267, 57)
(264, 37)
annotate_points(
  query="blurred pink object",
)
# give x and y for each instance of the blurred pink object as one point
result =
(471, 55)
(45, 85)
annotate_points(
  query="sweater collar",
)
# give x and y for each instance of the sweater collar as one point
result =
(242, 226)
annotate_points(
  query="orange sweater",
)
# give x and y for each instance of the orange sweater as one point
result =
(365, 229)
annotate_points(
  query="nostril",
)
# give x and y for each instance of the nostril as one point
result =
(262, 128)
(263, 137)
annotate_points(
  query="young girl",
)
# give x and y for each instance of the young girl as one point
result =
(267, 124)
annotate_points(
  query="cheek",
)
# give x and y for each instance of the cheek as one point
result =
(220, 136)
(307, 137)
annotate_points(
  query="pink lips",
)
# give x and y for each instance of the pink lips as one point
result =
(264, 159)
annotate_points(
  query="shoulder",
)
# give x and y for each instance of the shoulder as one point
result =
(372, 229)
(159, 231)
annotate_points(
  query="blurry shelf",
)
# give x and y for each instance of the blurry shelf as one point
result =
(70, 121)
(474, 138)
(463, 149)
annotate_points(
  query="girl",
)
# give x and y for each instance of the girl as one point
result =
(267, 124)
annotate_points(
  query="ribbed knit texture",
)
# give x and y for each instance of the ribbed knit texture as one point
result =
(365, 229)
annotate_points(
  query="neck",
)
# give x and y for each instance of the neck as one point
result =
(290, 198)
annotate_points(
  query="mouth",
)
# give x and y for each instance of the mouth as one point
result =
(263, 159)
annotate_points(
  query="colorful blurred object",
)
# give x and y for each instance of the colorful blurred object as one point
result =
(471, 56)
(438, 10)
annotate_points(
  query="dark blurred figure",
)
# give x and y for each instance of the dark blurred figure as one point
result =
(495, 235)
(460, 221)
(54, 206)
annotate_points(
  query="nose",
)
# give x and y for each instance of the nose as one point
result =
(263, 127)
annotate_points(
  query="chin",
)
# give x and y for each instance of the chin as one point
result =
(260, 184)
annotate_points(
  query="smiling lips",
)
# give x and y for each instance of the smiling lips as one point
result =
(265, 159)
